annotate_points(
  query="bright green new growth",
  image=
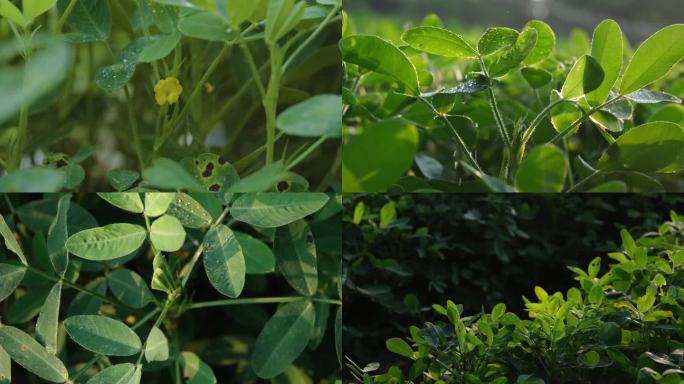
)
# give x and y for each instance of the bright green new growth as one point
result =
(485, 111)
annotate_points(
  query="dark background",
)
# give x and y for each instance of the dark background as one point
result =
(638, 18)
(479, 250)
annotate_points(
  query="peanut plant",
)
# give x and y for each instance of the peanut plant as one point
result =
(170, 287)
(508, 111)
(105, 95)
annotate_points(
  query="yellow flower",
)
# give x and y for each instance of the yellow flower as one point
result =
(167, 91)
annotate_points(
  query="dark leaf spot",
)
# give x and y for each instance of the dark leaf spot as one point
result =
(214, 187)
(283, 186)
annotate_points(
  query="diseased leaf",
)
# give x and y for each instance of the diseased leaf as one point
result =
(108, 242)
(296, 256)
(223, 261)
(283, 338)
(48, 319)
(271, 209)
(26, 352)
(102, 335)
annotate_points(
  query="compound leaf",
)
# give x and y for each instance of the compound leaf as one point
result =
(283, 338)
(223, 261)
(296, 255)
(271, 209)
(102, 335)
(108, 242)
(26, 352)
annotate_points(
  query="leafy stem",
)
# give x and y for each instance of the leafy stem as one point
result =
(270, 101)
(459, 140)
(495, 106)
(577, 187)
(579, 121)
(260, 300)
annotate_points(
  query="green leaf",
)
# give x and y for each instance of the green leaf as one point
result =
(438, 41)
(647, 148)
(129, 288)
(671, 113)
(5, 367)
(338, 334)
(190, 213)
(115, 374)
(10, 278)
(27, 306)
(85, 304)
(322, 314)
(128, 201)
(565, 114)
(644, 96)
(240, 11)
(262, 180)
(35, 8)
(108, 242)
(496, 39)
(271, 209)
(591, 359)
(606, 48)
(11, 12)
(281, 17)
(91, 20)
(399, 346)
(195, 370)
(168, 174)
(546, 42)
(156, 346)
(514, 55)
(388, 213)
(296, 256)
(378, 55)
(316, 117)
(283, 338)
(259, 258)
(223, 261)
(390, 161)
(11, 242)
(167, 234)
(48, 319)
(38, 215)
(585, 76)
(102, 335)
(122, 179)
(33, 180)
(203, 25)
(654, 59)
(536, 77)
(159, 48)
(74, 174)
(543, 170)
(26, 352)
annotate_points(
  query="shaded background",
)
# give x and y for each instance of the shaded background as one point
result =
(638, 18)
(476, 250)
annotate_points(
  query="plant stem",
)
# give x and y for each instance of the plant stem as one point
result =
(311, 37)
(146, 31)
(187, 269)
(14, 161)
(65, 15)
(252, 67)
(459, 139)
(270, 101)
(306, 153)
(585, 181)
(579, 121)
(134, 129)
(85, 368)
(495, 106)
(260, 300)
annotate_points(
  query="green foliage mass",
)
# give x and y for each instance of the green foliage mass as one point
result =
(512, 110)
(162, 287)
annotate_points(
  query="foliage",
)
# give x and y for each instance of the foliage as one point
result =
(623, 323)
(403, 252)
(100, 95)
(508, 112)
(110, 279)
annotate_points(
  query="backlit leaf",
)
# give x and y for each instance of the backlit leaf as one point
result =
(128, 201)
(585, 76)
(438, 41)
(543, 170)
(606, 48)
(546, 42)
(647, 148)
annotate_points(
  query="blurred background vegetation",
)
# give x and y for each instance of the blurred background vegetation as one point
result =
(403, 253)
(639, 19)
